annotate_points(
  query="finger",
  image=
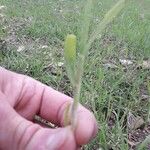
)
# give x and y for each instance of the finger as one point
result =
(30, 97)
(36, 98)
(58, 139)
(86, 126)
(53, 106)
(19, 134)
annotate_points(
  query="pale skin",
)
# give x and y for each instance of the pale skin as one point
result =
(21, 97)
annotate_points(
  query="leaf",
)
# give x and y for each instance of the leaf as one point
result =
(110, 15)
(85, 25)
(148, 86)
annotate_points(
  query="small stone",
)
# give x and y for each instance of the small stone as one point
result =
(134, 122)
(110, 66)
(146, 64)
(60, 64)
(2, 7)
(145, 97)
(21, 48)
(125, 62)
(44, 46)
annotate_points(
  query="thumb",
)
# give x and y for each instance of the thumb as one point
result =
(17, 133)
(53, 139)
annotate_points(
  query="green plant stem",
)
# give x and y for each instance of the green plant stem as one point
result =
(85, 45)
(77, 89)
(148, 87)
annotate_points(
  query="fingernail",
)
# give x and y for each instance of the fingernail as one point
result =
(56, 140)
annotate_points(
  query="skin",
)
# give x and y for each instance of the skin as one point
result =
(21, 97)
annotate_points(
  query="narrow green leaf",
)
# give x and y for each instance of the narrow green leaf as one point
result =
(110, 15)
(85, 25)
(148, 86)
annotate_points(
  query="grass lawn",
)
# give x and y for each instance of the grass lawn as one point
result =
(117, 71)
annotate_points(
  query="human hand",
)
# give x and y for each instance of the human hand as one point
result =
(22, 97)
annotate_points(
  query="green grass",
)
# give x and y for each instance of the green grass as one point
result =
(45, 22)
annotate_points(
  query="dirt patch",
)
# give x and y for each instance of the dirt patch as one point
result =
(139, 135)
(13, 26)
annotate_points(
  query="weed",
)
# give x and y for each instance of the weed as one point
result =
(75, 65)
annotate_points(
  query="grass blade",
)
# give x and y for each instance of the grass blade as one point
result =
(110, 15)
(85, 25)
(144, 143)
